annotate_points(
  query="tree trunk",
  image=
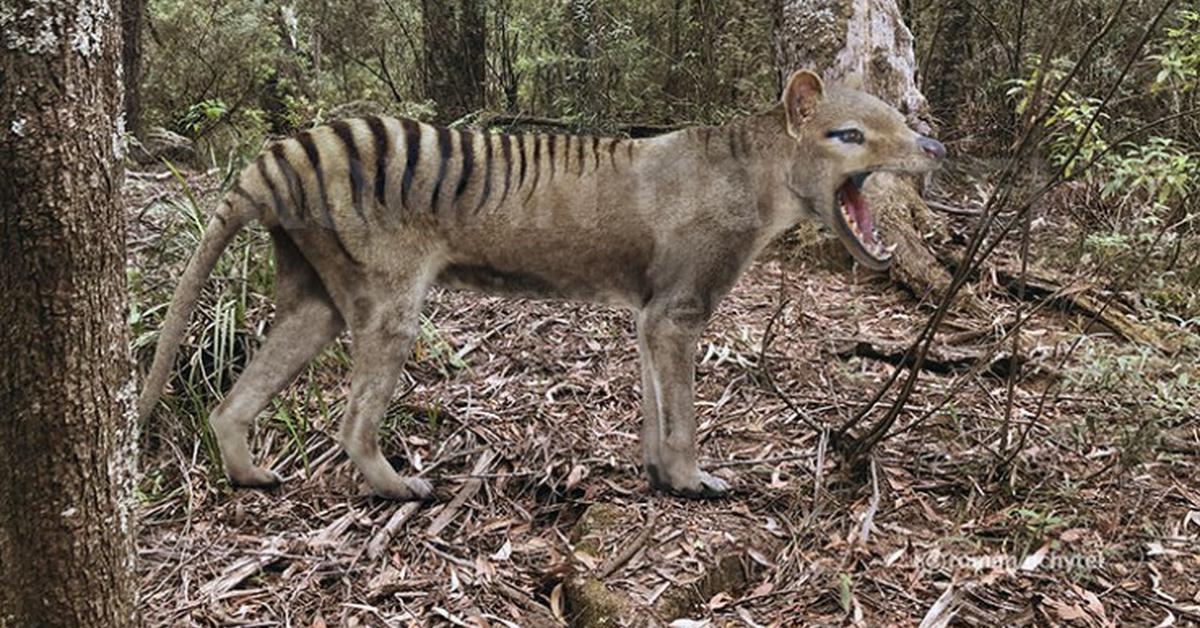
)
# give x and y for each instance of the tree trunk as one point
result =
(945, 80)
(67, 435)
(867, 40)
(131, 63)
(455, 56)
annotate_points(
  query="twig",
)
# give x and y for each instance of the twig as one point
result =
(239, 571)
(467, 491)
(818, 478)
(1079, 341)
(977, 253)
(764, 365)
(611, 565)
(379, 542)
(757, 461)
(951, 209)
(524, 601)
(864, 533)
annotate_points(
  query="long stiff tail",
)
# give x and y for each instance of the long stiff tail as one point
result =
(234, 213)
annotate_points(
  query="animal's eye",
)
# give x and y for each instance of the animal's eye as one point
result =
(848, 136)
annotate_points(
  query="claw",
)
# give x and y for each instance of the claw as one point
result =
(705, 486)
(259, 478)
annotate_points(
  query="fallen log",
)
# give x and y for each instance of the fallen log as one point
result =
(942, 358)
(1042, 284)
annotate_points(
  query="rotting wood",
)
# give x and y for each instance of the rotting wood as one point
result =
(1041, 284)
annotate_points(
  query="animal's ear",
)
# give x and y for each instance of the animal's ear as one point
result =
(804, 90)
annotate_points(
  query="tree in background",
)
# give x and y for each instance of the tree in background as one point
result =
(67, 437)
(455, 52)
(866, 41)
(132, 16)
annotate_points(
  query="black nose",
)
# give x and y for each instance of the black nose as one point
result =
(932, 147)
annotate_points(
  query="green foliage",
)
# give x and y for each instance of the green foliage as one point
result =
(202, 114)
(204, 62)
(1179, 61)
(231, 72)
(1140, 154)
(1167, 392)
(1161, 169)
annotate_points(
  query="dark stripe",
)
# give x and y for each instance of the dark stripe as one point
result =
(732, 139)
(551, 146)
(567, 153)
(467, 145)
(537, 163)
(579, 153)
(379, 133)
(280, 208)
(294, 183)
(314, 160)
(487, 170)
(596, 151)
(521, 150)
(240, 191)
(412, 149)
(445, 151)
(506, 154)
(342, 130)
(612, 151)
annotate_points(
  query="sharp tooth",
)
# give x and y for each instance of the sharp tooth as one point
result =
(891, 249)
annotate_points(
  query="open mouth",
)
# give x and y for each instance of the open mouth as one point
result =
(857, 226)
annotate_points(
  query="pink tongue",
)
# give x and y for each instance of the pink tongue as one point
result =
(857, 204)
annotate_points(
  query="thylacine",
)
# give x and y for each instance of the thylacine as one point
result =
(365, 215)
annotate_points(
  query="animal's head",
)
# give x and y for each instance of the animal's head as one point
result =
(842, 136)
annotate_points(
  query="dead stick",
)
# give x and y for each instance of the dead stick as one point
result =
(379, 542)
(526, 602)
(613, 564)
(467, 491)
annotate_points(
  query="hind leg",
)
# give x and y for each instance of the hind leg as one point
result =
(305, 323)
(383, 341)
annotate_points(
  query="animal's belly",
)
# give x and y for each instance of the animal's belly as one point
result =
(491, 280)
(534, 285)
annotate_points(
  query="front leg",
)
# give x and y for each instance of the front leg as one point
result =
(667, 337)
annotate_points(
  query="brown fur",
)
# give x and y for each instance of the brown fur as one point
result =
(366, 215)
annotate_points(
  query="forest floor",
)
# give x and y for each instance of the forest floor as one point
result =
(526, 416)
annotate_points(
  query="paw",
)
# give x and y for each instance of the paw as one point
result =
(695, 484)
(255, 477)
(712, 486)
(404, 489)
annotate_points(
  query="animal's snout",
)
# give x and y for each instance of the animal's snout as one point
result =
(935, 149)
